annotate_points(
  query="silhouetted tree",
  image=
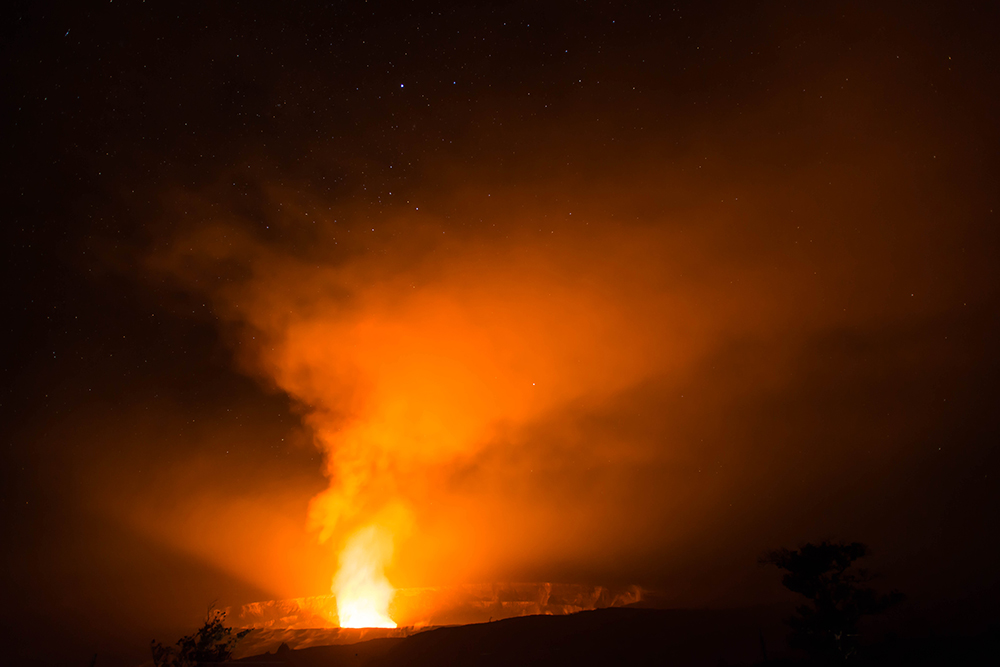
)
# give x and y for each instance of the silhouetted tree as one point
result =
(211, 644)
(827, 628)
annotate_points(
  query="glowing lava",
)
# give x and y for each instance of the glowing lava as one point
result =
(362, 590)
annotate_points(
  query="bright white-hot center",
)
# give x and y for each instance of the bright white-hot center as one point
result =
(363, 593)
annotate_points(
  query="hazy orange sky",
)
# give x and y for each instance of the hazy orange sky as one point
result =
(645, 363)
(585, 301)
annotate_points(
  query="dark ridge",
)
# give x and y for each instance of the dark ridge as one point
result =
(600, 637)
(632, 636)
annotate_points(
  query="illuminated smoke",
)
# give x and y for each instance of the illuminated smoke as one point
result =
(500, 402)
(417, 379)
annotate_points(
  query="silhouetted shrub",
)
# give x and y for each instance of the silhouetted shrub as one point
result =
(211, 644)
(827, 628)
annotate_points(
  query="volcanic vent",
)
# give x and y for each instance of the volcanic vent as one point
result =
(312, 621)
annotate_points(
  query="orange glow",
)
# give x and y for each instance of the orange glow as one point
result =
(362, 590)
(499, 403)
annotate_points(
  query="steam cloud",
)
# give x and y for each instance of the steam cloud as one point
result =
(498, 395)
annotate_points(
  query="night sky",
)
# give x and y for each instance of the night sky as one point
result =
(590, 292)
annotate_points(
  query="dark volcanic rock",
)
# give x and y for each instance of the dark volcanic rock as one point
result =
(602, 637)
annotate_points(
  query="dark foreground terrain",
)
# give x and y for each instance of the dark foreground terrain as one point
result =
(682, 638)
(601, 637)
